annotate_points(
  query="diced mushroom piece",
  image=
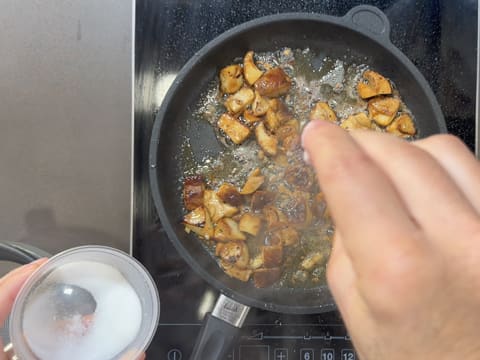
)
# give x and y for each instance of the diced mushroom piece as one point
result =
(256, 262)
(254, 181)
(322, 111)
(292, 143)
(272, 121)
(299, 176)
(218, 248)
(273, 217)
(281, 109)
(382, 110)
(277, 105)
(196, 217)
(289, 136)
(281, 159)
(363, 120)
(402, 125)
(294, 123)
(216, 207)
(250, 224)
(240, 274)
(231, 79)
(200, 231)
(229, 194)
(227, 229)
(261, 198)
(299, 277)
(357, 121)
(239, 101)
(286, 130)
(251, 71)
(260, 105)
(250, 118)
(297, 209)
(234, 253)
(273, 83)
(266, 277)
(267, 142)
(277, 114)
(193, 222)
(193, 189)
(233, 128)
(373, 84)
(287, 236)
(272, 256)
(273, 239)
(312, 260)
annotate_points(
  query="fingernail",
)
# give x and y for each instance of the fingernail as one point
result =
(306, 157)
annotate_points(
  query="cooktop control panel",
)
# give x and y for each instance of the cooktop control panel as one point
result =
(272, 342)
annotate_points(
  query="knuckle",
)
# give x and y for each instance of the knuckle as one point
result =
(390, 272)
(345, 166)
(446, 141)
(397, 268)
(394, 278)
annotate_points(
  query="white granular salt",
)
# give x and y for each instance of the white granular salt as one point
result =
(114, 325)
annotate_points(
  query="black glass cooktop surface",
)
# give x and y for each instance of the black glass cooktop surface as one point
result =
(439, 37)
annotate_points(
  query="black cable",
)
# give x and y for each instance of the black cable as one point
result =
(17, 253)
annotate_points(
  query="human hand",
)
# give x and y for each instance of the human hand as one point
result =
(10, 285)
(405, 264)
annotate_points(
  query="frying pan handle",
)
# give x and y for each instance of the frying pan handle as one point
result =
(215, 340)
(220, 330)
(20, 253)
(369, 19)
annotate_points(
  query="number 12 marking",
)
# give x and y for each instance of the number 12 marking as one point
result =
(348, 354)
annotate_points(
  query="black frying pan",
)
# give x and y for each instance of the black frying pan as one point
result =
(361, 36)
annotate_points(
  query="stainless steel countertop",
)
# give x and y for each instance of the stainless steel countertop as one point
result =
(66, 122)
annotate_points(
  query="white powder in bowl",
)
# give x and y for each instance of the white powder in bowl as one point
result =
(114, 325)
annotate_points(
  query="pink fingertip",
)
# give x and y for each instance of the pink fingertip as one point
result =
(314, 124)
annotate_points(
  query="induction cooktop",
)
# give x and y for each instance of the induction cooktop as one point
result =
(439, 37)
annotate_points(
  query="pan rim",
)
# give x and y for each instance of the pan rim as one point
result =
(161, 116)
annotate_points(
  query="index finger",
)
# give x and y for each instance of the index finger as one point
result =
(364, 203)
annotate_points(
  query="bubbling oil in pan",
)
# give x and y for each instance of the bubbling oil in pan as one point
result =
(334, 82)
